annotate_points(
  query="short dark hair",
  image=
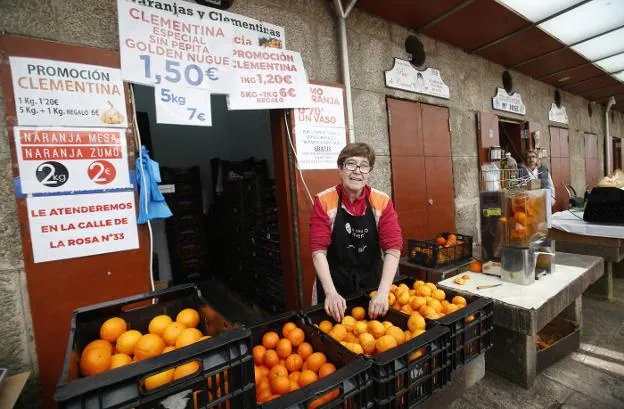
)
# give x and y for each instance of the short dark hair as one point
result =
(357, 149)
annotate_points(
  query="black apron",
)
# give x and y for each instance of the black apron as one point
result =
(354, 255)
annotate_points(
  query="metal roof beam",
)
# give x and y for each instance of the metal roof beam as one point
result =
(443, 16)
(580, 65)
(532, 59)
(522, 30)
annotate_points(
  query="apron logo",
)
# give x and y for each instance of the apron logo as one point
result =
(348, 227)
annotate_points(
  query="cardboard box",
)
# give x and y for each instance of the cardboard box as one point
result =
(11, 388)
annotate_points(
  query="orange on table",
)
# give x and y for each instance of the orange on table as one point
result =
(119, 360)
(284, 348)
(149, 345)
(94, 361)
(188, 336)
(316, 360)
(325, 326)
(187, 369)
(475, 266)
(270, 340)
(188, 317)
(172, 332)
(99, 343)
(294, 363)
(271, 358)
(159, 324)
(160, 379)
(359, 313)
(278, 371)
(465, 277)
(326, 369)
(307, 377)
(127, 341)
(304, 350)
(258, 354)
(289, 326)
(112, 329)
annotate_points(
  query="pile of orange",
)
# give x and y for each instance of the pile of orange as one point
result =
(450, 240)
(424, 299)
(287, 363)
(119, 346)
(371, 337)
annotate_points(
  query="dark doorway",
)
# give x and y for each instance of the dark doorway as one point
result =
(511, 139)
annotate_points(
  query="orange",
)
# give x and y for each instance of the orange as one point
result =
(451, 238)
(99, 343)
(270, 340)
(349, 322)
(444, 303)
(159, 324)
(435, 304)
(315, 361)
(304, 350)
(127, 341)
(441, 241)
(372, 294)
(450, 308)
(172, 332)
(418, 302)
(280, 385)
(294, 363)
(459, 300)
(188, 317)
(307, 377)
(289, 326)
(271, 359)
(264, 396)
(385, 343)
(350, 338)
(326, 369)
(187, 369)
(387, 324)
(408, 335)
(159, 379)
(359, 313)
(296, 337)
(439, 295)
(294, 376)
(403, 298)
(475, 266)
(149, 345)
(423, 291)
(367, 341)
(397, 333)
(360, 328)
(419, 332)
(431, 286)
(278, 371)
(94, 361)
(293, 385)
(392, 299)
(407, 309)
(188, 336)
(415, 322)
(465, 277)
(258, 354)
(418, 283)
(403, 287)
(168, 349)
(112, 329)
(119, 360)
(426, 311)
(339, 332)
(284, 348)
(325, 326)
(376, 328)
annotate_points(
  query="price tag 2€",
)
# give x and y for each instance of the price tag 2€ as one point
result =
(182, 106)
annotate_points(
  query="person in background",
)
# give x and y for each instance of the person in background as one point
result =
(532, 169)
(351, 225)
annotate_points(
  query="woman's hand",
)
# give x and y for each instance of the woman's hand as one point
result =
(335, 306)
(378, 306)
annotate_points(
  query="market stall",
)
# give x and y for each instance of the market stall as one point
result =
(524, 312)
(574, 235)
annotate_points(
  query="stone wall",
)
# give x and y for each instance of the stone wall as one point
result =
(312, 30)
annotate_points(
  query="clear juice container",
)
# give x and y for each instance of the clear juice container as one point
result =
(525, 217)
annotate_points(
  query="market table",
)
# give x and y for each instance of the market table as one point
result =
(573, 235)
(520, 312)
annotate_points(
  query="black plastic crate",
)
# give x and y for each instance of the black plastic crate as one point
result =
(352, 376)
(225, 378)
(176, 175)
(428, 253)
(470, 327)
(408, 374)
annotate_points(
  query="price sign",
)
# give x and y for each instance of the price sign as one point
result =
(71, 159)
(269, 79)
(163, 46)
(182, 106)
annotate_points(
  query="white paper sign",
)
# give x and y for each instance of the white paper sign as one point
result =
(49, 92)
(320, 130)
(166, 44)
(557, 114)
(182, 106)
(508, 103)
(53, 160)
(268, 78)
(63, 227)
(405, 77)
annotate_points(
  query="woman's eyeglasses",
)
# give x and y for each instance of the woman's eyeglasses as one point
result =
(352, 166)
